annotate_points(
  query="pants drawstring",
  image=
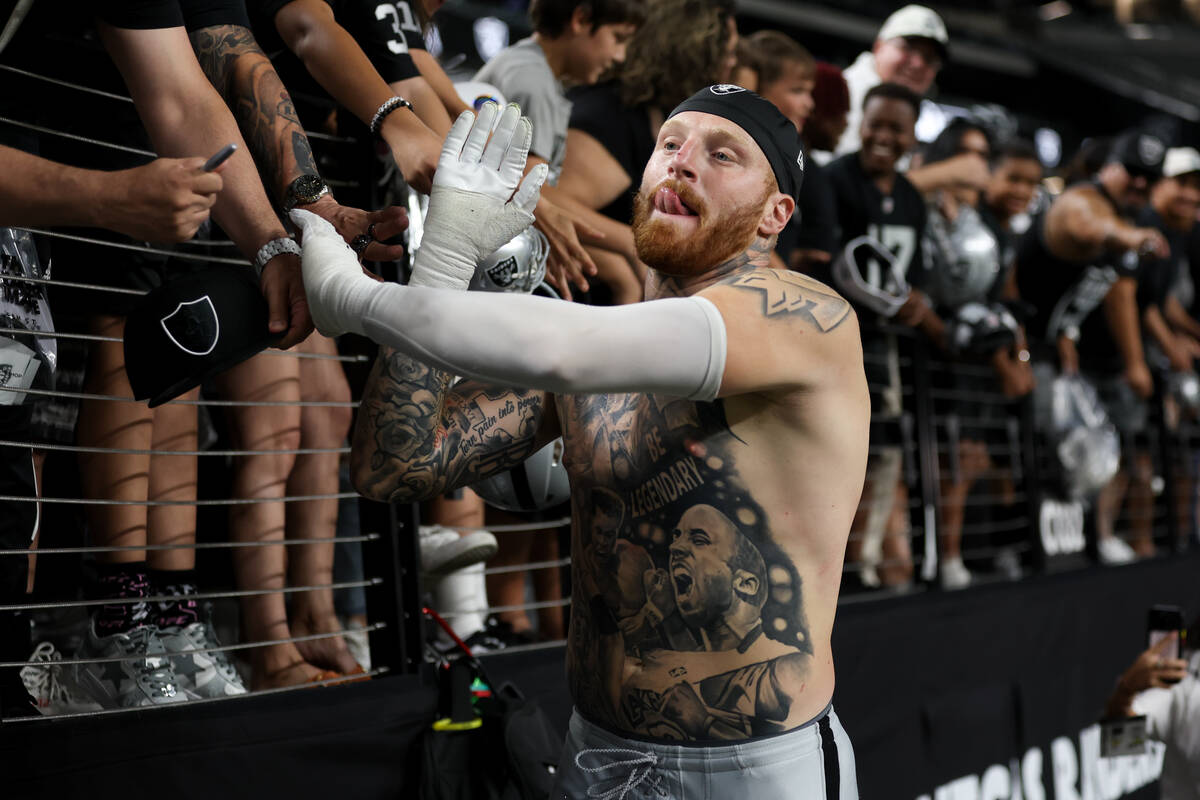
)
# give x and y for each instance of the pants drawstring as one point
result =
(639, 763)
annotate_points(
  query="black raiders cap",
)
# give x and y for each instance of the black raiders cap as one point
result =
(1141, 153)
(192, 328)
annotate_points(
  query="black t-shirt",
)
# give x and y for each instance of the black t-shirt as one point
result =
(1191, 247)
(624, 132)
(814, 224)
(386, 32)
(1161, 274)
(1068, 295)
(155, 14)
(897, 221)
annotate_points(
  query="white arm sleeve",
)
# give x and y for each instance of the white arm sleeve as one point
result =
(674, 346)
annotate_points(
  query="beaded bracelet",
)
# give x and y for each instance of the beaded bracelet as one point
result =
(389, 105)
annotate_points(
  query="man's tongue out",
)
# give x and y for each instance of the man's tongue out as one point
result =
(669, 203)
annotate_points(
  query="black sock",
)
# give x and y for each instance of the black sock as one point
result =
(183, 610)
(125, 580)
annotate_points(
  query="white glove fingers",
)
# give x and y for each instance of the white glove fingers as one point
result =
(515, 157)
(456, 138)
(530, 190)
(497, 146)
(478, 137)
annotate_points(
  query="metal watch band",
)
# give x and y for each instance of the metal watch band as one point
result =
(271, 249)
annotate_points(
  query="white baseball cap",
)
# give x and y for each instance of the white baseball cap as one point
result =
(1181, 161)
(914, 20)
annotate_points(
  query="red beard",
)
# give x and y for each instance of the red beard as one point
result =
(664, 248)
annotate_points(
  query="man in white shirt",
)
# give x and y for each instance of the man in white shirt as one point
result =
(909, 50)
(1166, 691)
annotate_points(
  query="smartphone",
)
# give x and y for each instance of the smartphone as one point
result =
(219, 157)
(1162, 621)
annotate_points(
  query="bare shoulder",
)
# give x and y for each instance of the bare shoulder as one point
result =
(784, 297)
(785, 331)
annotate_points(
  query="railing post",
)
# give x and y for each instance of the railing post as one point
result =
(396, 599)
(927, 462)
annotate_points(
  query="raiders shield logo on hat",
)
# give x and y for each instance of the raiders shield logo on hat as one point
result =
(725, 88)
(193, 326)
(1151, 149)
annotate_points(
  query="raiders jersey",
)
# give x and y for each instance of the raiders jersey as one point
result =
(896, 220)
(1067, 296)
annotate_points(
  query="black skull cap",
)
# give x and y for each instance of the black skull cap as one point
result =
(188, 330)
(774, 133)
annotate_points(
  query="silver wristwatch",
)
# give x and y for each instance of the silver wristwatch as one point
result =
(271, 249)
(303, 191)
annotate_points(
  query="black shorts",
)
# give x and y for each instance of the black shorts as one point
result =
(975, 400)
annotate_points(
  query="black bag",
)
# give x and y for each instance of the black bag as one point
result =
(511, 754)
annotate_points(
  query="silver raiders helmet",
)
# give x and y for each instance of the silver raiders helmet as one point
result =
(518, 266)
(540, 482)
(1185, 388)
(1085, 443)
(966, 258)
(866, 273)
(981, 329)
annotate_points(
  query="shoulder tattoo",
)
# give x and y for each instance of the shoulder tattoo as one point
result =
(792, 293)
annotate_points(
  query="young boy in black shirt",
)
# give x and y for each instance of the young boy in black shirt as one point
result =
(874, 200)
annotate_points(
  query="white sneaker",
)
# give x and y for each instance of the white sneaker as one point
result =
(1114, 551)
(443, 550)
(139, 673)
(953, 574)
(200, 675)
(49, 686)
(357, 642)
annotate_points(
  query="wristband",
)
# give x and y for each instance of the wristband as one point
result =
(275, 247)
(389, 105)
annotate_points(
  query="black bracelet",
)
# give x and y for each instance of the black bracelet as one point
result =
(389, 105)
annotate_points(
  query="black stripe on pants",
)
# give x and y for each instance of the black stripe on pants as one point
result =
(833, 769)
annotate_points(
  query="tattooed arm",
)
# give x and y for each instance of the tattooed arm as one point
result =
(243, 75)
(417, 437)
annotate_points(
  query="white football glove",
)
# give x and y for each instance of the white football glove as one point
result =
(470, 214)
(334, 282)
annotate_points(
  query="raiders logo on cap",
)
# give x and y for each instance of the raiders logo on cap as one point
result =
(193, 326)
(504, 273)
(725, 88)
(1151, 149)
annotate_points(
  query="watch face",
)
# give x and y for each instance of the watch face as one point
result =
(307, 188)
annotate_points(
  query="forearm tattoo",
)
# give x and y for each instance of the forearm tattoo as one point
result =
(243, 75)
(416, 438)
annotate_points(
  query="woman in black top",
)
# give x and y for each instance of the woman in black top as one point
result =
(969, 265)
(683, 46)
